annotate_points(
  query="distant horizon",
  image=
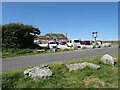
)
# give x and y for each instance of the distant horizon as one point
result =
(77, 19)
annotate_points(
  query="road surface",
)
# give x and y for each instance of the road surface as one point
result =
(17, 62)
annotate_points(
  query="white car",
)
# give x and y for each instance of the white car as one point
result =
(50, 44)
(74, 43)
(106, 44)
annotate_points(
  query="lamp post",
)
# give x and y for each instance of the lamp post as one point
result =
(94, 35)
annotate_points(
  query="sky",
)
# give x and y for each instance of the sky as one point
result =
(77, 19)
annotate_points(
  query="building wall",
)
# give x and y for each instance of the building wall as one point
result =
(52, 36)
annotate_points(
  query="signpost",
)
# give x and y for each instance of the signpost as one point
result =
(94, 35)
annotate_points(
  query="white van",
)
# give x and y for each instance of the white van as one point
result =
(73, 43)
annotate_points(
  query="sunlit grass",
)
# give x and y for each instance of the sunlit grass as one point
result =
(106, 77)
(26, 52)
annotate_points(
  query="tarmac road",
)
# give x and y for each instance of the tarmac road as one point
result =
(17, 62)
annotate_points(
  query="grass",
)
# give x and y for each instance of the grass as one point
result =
(0, 54)
(112, 42)
(115, 43)
(106, 77)
(7, 53)
(25, 52)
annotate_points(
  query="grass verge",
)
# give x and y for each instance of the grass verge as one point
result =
(106, 77)
(25, 52)
(7, 53)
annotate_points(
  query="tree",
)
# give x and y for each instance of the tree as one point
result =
(17, 35)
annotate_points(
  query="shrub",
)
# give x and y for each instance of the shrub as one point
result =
(17, 35)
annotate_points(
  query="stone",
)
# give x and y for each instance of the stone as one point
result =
(107, 59)
(93, 65)
(81, 66)
(38, 72)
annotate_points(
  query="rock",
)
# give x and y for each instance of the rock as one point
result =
(107, 59)
(93, 65)
(81, 66)
(39, 72)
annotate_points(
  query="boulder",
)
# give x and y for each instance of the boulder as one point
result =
(38, 72)
(107, 59)
(81, 66)
(93, 65)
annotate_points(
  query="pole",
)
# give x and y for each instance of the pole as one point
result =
(95, 41)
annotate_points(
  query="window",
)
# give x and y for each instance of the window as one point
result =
(52, 43)
(54, 36)
(76, 41)
(48, 36)
(36, 38)
(61, 36)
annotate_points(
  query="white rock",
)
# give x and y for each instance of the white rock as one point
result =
(93, 65)
(81, 66)
(107, 59)
(38, 72)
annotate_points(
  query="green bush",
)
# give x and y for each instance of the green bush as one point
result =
(17, 35)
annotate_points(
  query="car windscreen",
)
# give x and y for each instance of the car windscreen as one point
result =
(77, 41)
(52, 43)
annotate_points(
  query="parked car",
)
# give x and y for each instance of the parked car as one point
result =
(99, 42)
(62, 43)
(50, 44)
(106, 44)
(74, 43)
(85, 43)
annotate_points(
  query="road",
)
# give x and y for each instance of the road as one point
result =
(17, 62)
